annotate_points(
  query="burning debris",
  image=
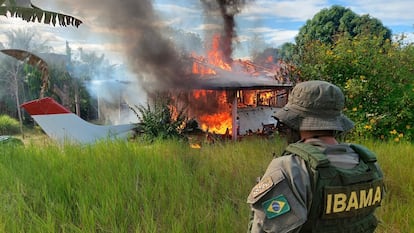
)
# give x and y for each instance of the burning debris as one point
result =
(258, 88)
(222, 86)
(210, 85)
(225, 84)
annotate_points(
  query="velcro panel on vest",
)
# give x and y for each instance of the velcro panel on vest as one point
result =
(315, 157)
(365, 154)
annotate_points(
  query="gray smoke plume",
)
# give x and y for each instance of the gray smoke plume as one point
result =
(152, 56)
(148, 53)
(228, 10)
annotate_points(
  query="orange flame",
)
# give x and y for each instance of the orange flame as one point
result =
(215, 55)
(199, 68)
(269, 59)
(218, 121)
(215, 119)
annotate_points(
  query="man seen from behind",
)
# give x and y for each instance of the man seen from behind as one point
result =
(318, 184)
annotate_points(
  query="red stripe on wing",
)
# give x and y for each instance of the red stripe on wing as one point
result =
(44, 106)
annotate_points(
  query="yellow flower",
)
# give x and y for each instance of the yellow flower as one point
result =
(368, 127)
(372, 121)
(408, 126)
(396, 139)
(354, 109)
(393, 131)
(400, 135)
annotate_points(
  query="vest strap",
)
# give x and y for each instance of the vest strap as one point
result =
(365, 154)
(309, 153)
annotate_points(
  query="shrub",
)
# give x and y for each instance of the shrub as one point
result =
(8, 125)
(376, 77)
(160, 119)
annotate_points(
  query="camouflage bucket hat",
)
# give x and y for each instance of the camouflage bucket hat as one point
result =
(315, 105)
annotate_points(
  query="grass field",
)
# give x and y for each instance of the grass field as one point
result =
(165, 186)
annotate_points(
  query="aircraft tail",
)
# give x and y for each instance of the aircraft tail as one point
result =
(62, 125)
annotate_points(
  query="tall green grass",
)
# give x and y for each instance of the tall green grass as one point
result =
(161, 187)
(397, 162)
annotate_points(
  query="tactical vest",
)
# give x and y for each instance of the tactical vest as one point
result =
(344, 200)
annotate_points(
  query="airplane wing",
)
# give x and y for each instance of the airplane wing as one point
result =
(64, 126)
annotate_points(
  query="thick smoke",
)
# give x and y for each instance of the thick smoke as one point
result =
(227, 9)
(148, 53)
(153, 57)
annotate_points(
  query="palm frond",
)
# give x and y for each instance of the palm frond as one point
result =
(36, 14)
(33, 60)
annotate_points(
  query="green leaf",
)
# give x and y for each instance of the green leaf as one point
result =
(3, 10)
(54, 19)
(48, 17)
(34, 14)
(61, 20)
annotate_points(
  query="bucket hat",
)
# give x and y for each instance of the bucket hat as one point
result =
(315, 105)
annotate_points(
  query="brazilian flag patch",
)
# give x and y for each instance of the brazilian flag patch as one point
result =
(276, 206)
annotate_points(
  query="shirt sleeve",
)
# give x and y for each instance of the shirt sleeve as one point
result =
(280, 201)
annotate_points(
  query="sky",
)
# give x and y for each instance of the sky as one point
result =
(276, 22)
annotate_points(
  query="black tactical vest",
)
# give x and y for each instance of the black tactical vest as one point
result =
(344, 200)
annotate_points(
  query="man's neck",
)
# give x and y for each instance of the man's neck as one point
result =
(326, 137)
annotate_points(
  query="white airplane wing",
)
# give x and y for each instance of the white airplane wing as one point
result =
(64, 126)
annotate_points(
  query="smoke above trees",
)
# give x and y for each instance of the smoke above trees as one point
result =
(148, 52)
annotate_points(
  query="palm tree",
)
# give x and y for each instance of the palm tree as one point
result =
(11, 71)
(25, 10)
(33, 60)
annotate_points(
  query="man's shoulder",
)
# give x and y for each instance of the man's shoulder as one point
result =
(285, 162)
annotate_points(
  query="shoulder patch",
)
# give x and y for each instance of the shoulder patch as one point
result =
(261, 187)
(276, 206)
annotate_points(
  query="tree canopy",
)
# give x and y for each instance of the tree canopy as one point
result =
(357, 54)
(337, 20)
